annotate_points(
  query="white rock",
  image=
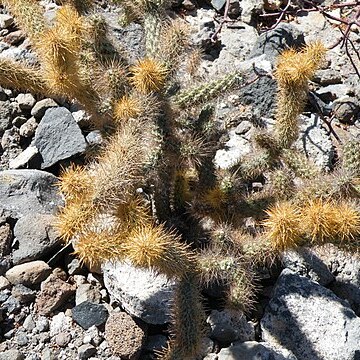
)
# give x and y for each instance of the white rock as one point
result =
(23, 158)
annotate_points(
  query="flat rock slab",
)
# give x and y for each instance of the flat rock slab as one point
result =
(58, 137)
(142, 293)
(88, 314)
(252, 350)
(24, 192)
(311, 321)
(36, 237)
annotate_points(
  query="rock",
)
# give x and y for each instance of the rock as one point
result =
(327, 77)
(42, 324)
(58, 127)
(12, 355)
(60, 323)
(234, 149)
(346, 268)
(124, 336)
(189, 5)
(346, 110)
(25, 101)
(29, 323)
(54, 293)
(88, 314)
(6, 21)
(305, 263)
(273, 42)
(39, 109)
(28, 274)
(243, 127)
(86, 351)
(28, 191)
(10, 138)
(228, 326)
(12, 305)
(15, 37)
(261, 95)
(6, 111)
(250, 8)
(23, 293)
(74, 267)
(315, 142)
(62, 339)
(21, 339)
(332, 92)
(94, 138)
(155, 343)
(142, 293)
(18, 121)
(4, 283)
(87, 292)
(81, 118)
(23, 158)
(93, 336)
(5, 239)
(28, 129)
(252, 350)
(36, 237)
(306, 318)
(218, 4)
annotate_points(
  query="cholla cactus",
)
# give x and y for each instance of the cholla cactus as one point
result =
(152, 143)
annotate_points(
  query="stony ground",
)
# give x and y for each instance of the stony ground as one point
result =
(51, 307)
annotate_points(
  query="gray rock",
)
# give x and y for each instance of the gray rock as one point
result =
(36, 237)
(6, 111)
(19, 54)
(81, 118)
(28, 129)
(21, 339)
(60, 323)
(273, 42)
(38, 111)
(86, 351)
(12, 355)
(314, 140)
(218, 4)
(23, 158)
(346, 110)
(252, 350)
(87, 292)
(88, 314)
(332, 92)
(346, 268)
(94, 138)
(28, 274)
(310, 320)
(235, 148)
(142, 293)
(25, 101)
(327, 77)
(228, 326)
(305, 262)
(29, 323)
(23, 293)
(12, 305)
(250, 8)
(243, 127)
(10, 138)
(6, 21)
(58, 127)
(28, 191)
(261, 95)
(42, 324)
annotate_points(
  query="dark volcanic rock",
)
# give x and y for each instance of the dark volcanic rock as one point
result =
(88, 314)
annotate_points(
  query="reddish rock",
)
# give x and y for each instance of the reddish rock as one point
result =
(124, 336)
(54, 293)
